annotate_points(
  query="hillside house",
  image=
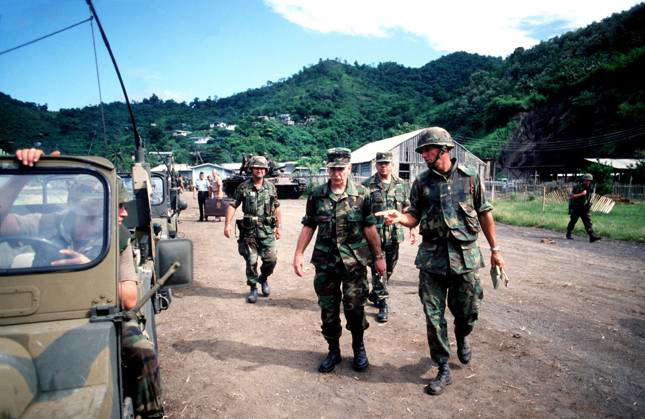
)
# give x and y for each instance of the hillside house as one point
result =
(407, 163)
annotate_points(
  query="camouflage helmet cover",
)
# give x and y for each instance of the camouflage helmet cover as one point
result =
(124, 194)
(436, 136)
(587, 176)
(259, 161)
(86, 196)
(339, 157)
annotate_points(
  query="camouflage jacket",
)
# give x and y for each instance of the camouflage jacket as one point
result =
(258, 206)
(582, 202)
(447, 207)
(393, 195)
(340, 221)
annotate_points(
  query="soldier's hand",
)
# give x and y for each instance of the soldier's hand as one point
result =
(276, 231)
(298, 260)
(413, 237)
(30, 156)
(227, 231)
(70, 257)
(380, 266)
(496, 259)
(390, 216)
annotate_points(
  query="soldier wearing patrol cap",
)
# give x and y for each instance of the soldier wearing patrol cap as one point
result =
(387, 191)
(341, 211)
(580, 207)
(449, 204)
(259, 228)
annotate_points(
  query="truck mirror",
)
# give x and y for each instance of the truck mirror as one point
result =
(171, 251)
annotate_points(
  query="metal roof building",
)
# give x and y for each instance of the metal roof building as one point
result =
(407, 163)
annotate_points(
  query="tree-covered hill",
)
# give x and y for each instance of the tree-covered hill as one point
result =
(581, 85)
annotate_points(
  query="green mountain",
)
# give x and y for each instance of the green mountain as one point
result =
(546, 106)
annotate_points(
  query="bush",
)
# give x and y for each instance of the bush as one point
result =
(602, 178)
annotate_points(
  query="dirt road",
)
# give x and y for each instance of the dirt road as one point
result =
(567, 339)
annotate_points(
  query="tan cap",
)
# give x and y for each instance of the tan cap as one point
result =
(384, 157)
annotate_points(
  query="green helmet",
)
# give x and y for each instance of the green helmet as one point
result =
(436, 136)
(259, 162)
(587, 176)
(124, 194)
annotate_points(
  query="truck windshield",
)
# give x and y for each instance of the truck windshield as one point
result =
(51, 221)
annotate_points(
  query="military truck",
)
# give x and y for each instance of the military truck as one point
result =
(287, 187)
(60, 323)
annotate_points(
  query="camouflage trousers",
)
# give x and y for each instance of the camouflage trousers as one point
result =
(463, 293)
(379, 283)
(582, 214)
(141, 380)
(338, 285)
(252, 249)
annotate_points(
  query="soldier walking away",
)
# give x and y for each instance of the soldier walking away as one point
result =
(449, 203)
(386, 192)
(259, 228)
(201, 189)
(580, 207)
(341, 211)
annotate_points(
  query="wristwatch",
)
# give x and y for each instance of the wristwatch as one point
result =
(379, 256)
(495, 249)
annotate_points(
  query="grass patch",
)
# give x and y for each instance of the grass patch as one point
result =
(625, 222)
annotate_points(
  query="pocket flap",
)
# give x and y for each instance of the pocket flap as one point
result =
(468, 209)
(358, 245)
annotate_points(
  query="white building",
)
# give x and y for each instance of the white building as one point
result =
(406, 162)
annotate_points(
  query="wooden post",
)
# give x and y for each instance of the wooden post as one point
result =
(492, 193)
(543, 197)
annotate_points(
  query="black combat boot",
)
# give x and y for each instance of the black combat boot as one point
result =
(372, 298)
(569, 236)
(440, 382)
(264, 283)
(593, 237)
(360, 362)
(333, 357)
(463, 350)
(383, 311)
(253, 295)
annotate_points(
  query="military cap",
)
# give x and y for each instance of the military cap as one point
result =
(587, 176)
(384, 157)
(259, 162)
(339, 157)
(86, 196)
(436, 136)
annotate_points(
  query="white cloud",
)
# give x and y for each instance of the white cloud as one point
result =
(493, 27)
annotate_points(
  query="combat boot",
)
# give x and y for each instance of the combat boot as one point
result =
(593, 237)
(569, 236)
(440, 382)
(333, 357)
(360, 362)
(372, 298)
(463, 350)
(383, 312)
(264, 284)
(253, 295)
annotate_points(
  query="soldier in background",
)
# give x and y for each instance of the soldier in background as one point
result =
(449, 203)
(201, 190)
(387, 191)
(580, 207)
(341, 211)
(259, 228)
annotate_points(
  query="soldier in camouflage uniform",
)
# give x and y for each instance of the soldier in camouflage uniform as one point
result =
(386, 192)
(341, 211)
(449, 203)
(580, 207)
(259, 228)
(141, 381)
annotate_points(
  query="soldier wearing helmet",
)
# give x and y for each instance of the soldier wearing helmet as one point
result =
(259, 227)
(448, 202)
(580, 207)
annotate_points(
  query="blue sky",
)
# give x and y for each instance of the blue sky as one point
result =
(200, 48)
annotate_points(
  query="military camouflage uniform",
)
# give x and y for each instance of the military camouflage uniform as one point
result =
(141, 381)
(580, 208)
(341, 254)
(447, 207)
(257, 238)
(393, 195)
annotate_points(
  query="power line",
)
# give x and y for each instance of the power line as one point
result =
(46, 36)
